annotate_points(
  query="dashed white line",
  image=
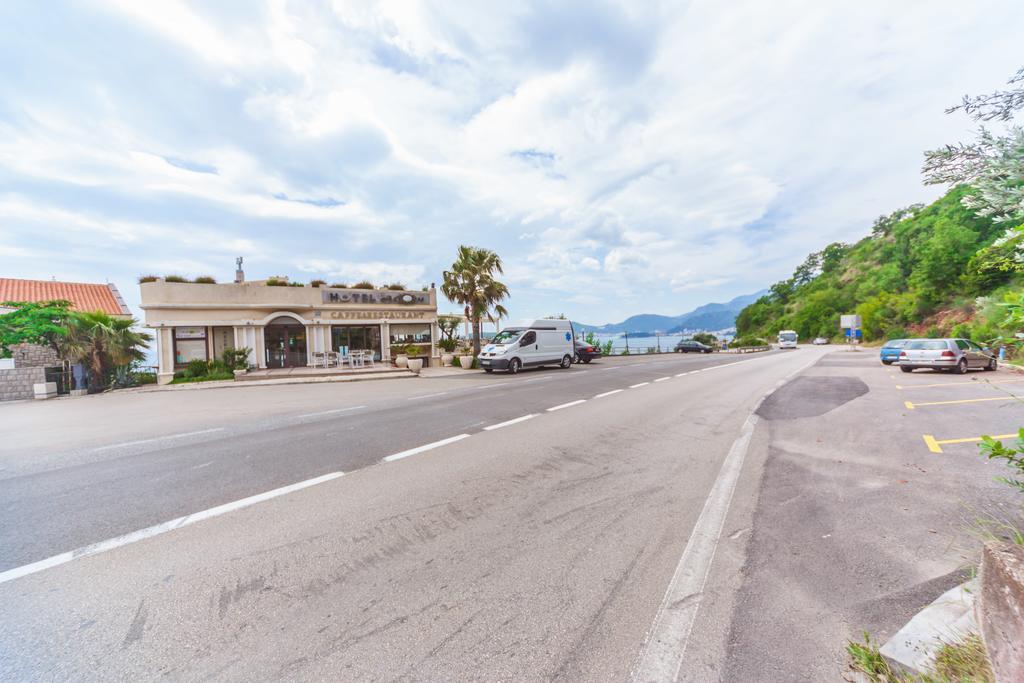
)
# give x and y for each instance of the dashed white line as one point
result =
(637, 386)
(491, 386)
(149, 532)
(662, 379)
(159, 438)
(537, 379)
(331, 412)
(425, 447)
(682, 374)
(417, 398)
(517, 420)
(608, 393)
(567, 405)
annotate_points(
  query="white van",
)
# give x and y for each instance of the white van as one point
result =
(787, 339)
(545, 342)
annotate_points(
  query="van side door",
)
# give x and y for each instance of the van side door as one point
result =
(528, 347)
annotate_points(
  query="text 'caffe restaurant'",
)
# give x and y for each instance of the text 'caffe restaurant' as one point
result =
(285, 326)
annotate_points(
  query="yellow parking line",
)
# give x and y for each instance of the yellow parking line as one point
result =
(911, 406)
(935, 445)
(969, 383)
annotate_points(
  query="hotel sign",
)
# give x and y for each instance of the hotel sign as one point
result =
(373, 296)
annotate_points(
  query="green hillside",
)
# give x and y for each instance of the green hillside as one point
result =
(923, 271)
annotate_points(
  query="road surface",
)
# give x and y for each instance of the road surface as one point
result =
(630, 518)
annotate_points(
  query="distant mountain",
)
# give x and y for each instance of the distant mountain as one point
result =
(707, 317)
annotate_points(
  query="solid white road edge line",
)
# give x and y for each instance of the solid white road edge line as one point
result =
(331, 412)
(662, 379)
(149, 532)
(159, 438)
(637, 386)
(425, 447)
(517, 420)
(608, 393)
(665, 646)
(567, 405)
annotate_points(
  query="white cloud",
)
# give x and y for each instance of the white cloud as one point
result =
(624, 152)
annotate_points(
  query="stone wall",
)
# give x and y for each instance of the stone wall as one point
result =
(17, 383)
(33, 356)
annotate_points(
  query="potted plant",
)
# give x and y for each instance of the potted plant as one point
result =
(415, 361)
(402, 356)
(466, 358)
(448, 346)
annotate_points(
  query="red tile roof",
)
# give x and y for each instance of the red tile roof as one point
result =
(83, 296)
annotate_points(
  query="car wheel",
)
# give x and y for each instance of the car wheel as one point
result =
(488, 370)
(566, 361)
(886, 362)
(961, 366)
(906, 369)
(587, 360)
(513, 366)
(992, 364)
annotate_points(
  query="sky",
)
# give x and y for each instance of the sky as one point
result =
(621, 158)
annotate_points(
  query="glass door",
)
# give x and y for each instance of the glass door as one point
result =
(286, 346)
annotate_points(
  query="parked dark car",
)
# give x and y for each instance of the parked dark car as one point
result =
(690, 346)
(586, 352)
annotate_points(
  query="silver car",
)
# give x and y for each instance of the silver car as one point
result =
(958, 355)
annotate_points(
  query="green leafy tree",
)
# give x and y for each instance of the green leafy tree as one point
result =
(705, 338)
(103, 342)
(42, 323)
(472, 283)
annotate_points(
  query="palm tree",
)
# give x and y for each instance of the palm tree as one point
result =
(471, 282)
(101, 342)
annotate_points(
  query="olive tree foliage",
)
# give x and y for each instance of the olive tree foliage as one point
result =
(993, 164)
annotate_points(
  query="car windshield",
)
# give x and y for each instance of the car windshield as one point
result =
(506, 336)
(788, 336)
(928, 345)
(895, 344)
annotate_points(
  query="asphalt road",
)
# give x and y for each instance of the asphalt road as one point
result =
(569, 545)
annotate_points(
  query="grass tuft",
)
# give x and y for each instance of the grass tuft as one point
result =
(963, 661)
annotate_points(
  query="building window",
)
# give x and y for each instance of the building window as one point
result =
(410, 334)
(189, 344)
(346, 338)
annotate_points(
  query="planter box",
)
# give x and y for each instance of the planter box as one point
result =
(45, 390)
(466, 362)
(415, 364)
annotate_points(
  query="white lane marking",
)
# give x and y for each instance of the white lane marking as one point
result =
(205, 464)
(524, 418)
(491, 386)
(425, 447)
(637, 386)
(662, 379)
(567, 405)
(417, 398)
(615, 368)
(682, 374)
(665, 646)
(608, 393)
(330, 412)
(159, 438)
(149, 532)
(537, 379)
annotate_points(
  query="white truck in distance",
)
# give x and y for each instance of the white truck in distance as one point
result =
(545, 342)
(787, 339)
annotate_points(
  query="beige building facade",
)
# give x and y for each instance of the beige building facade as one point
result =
(283, 326)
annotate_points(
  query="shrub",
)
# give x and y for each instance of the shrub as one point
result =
(277, 281)
(296, 284)
(741, 342)
(184, 378)
(317, 283)
(339, 285)
(197, 368)
(236, 359)
(218, 367)
(705, 338)
(148, 278)
(364, 284)
(396, 286)
(175, 278)
(142, 378)
(205, 280)
(447, 345)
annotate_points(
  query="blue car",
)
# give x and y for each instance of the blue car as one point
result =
(890, 352)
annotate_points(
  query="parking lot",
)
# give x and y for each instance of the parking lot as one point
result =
(953, 412)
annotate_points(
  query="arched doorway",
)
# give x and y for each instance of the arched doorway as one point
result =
(284, 339)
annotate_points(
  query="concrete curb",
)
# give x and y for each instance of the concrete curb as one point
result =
(948, 619)
(231, 384)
